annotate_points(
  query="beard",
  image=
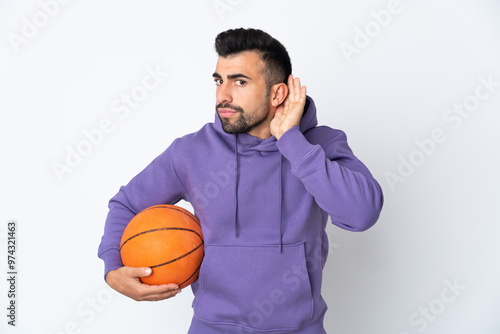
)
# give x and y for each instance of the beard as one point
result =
(245, 121)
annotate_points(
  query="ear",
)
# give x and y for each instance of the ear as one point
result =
(278, 94)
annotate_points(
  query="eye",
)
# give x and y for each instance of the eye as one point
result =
(240, 82)
(218, 81)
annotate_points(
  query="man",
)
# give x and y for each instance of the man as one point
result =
(262, 180)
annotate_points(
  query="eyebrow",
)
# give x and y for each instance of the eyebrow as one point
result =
(231, 76)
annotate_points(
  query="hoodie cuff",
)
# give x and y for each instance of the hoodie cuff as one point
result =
(112, 260)
(294, 146)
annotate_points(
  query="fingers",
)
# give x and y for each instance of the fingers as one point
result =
(296, 93)
(296, 83)
(148, 292)
(158, 292)
(303, 92)
(291, 88)
(126, 280)
(137, 272)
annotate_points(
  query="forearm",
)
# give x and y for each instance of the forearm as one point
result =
(156, 184)
(116, 221)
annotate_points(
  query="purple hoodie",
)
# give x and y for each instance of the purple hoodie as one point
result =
(263, 206)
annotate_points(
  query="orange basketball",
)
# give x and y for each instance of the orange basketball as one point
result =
(167, 239)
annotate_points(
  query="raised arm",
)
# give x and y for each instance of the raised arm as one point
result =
(340, 183)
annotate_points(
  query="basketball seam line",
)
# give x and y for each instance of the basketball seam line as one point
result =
(168, 206)
(180, 257)
(160, 229)
(191, 275)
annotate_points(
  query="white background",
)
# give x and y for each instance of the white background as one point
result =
(440, 222)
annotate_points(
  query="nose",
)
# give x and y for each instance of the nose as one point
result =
(224, 93)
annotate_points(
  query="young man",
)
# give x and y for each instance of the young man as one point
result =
(262, 179)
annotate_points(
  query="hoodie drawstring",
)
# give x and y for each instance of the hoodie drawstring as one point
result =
(280, 201)
(280, 195)
(236, 187)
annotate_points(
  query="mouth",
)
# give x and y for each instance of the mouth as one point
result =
(225, 112)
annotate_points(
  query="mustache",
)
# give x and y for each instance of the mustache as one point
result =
(225, 105)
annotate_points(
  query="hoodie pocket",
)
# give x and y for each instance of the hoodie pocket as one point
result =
(256, 287)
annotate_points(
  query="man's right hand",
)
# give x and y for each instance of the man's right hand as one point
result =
(126, 281)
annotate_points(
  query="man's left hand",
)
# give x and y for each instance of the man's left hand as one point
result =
(289, 113)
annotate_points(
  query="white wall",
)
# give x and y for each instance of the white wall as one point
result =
(395, 94)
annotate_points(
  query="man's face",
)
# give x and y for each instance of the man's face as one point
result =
(242, 98)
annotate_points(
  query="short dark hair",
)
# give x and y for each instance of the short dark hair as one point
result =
(277, 61)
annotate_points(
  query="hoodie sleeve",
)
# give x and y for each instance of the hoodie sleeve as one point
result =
(156, 184)
(340, 183)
